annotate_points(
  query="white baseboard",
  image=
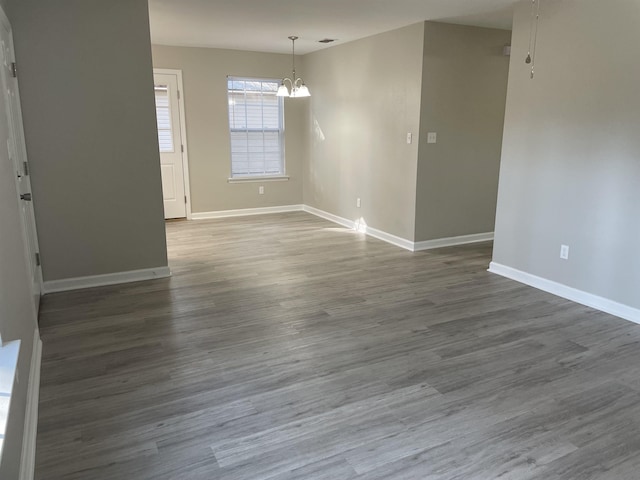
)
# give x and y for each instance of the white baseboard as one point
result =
(245, 211)
(390, 238)
(77, 283)
(28, 458)
(570, 293)
(453, 241)
(331, 217)
(354, 225)
(399, 241)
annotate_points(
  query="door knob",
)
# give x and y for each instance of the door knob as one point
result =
(26, 197)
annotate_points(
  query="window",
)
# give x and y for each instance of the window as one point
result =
(256, 122)
(163, 116)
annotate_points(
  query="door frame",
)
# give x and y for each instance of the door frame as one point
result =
(183, 134)
(16, 126)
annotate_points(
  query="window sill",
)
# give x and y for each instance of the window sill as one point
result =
(274, 178)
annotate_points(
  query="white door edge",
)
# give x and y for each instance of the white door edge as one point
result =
(183, 131)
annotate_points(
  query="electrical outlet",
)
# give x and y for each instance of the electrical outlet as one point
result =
(261, 190)
(358, 203)
(432, 137)
(409, 138)
(564, 252)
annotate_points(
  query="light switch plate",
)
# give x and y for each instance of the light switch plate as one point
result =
(432, 137)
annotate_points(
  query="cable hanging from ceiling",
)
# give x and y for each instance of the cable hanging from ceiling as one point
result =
(533, 35)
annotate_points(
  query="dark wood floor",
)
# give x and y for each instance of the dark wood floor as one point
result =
(285, 347)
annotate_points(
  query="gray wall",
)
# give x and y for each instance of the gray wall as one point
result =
(6, 5)
(204, 72)
(570, 170)
(464, 89)
(85, 76)
(365, 98)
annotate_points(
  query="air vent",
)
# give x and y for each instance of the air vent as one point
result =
(327, 40)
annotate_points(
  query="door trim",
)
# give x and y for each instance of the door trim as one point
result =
(19, 140)
(183, 134)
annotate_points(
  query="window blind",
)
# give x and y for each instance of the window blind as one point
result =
(256, 125)
(163, 116)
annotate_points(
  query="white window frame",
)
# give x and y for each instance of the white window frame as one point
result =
(239, 178)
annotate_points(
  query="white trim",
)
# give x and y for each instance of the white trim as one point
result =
(389, 238)
(245, 211)
(355, 225)
(399, 241)
(274, 178)
(453, 241)
(77, 283)
(570, 293)
(330, 216)
(28, 457)
(183, 135)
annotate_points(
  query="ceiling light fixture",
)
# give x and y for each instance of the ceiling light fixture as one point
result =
(297, 86)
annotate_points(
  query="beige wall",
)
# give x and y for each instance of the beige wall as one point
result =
(365, 98)
(89, 116)
(205, 72)
(570, 170)
(464, 88)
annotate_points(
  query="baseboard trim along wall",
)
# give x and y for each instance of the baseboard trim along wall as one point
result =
(28, 458)
(77, 283)
(399, 241)
(453, 241)
(244, 212)
(331, 217)
(570, 293)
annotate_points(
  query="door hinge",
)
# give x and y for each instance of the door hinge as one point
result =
(14, 70)
(25, 168)
(37, 259)
(185, 199)
(178, 94)
(182, 148)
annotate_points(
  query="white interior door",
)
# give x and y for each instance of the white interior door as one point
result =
(171, 145)
(17, 152)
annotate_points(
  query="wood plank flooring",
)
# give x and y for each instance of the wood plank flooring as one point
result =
(285, 347)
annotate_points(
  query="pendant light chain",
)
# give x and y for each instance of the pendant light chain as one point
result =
(293, 55)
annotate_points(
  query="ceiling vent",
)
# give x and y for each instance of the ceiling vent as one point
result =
(327, 40)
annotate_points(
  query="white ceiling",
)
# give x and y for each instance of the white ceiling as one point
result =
(264, 25)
